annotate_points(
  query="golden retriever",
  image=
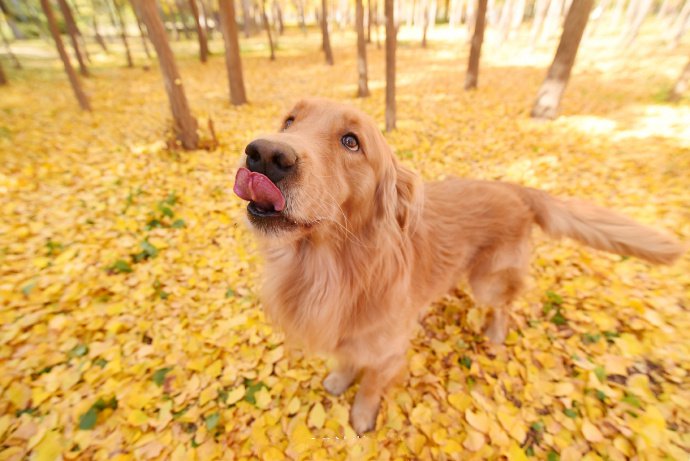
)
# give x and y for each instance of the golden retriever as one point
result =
(356, 245)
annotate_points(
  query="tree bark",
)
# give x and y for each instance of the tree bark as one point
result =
(640, 13)
(369, 19)
(233, 62)
(3, 77)
(71, 74)
(279, 16)
(207, 27)
(142, 34)
(324, 33)
(184, 124)
(181, 13)
(553, 18)
(123, 33)
(425, 22)
(540, 9)
(390, 64)
(475, 51)
(550, 94)
(246, 18)
(362, 84)
(200, 32)
(73, 35)
(17, 64)
(681, 85)
(97, 34)
(267, 27)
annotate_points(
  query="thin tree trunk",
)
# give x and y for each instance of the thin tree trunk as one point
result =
(362, 85)
(3, 77)
(617, 13)
(475, 52)
(299, 6)
(425, 22)
(324, 33)
(73, 35)
(391, 32)
(184, 125)
(680, 25)
(595, 20)
(550, 94)
(201, 34)
(71, 74)
(267, 27)
(681, 85)
(636, 21)
(504, 22)
(553, 19)
(142, 34)
(540, 9)
(183, 19)
(123, 33)
(279, 17)
(16, 31)
(226, 8)
(246, 18)
(97, 34)
(369, 19)
(207, 28)
(17, 64)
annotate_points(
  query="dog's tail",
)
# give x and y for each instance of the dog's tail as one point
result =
(599, 228)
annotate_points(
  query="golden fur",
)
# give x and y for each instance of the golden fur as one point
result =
(368, 246)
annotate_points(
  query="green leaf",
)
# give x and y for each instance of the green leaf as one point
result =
(101, 362)
(79, 350)
(179, 224)
(159, 375)
(150, 250)
(538, 426)
(28, 288)
(87, 421)
(630, 399)
(600, 373)
(589, 338)
(120, 267)
(570, 413)
(465, 362)
(177, 414)
(558, 318)
(154, 223)
(600, 395)
(165, 210)
(554, 298)
(171, 199)
(253, 388)
(229, 293)
(553, 456)
(529, 451)
(212, 421)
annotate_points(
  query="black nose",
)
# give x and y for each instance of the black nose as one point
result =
(273, 159)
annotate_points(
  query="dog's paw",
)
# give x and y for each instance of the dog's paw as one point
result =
(337, 382)
(363, 416)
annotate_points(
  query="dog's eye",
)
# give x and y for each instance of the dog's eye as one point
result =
(350, 141)
(288, 122)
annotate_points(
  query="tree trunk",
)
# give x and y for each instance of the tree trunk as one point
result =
(681, 85)
(553, 19)
(207, 29)
(324, 33)
(181, 13)
(200, 32)
(551, 91)
(299, 6)
(3, 77)
(617, 13)
(362, 86)
(540, 9)
(595, 18)
(73, 35)
(226, 8)
(97, 34)
(184, 124)
(123, 33)
(390, 64)
(246, 18)
(425, 22)
(142, 34)
(680, 24)
(71, 74)
(17, 64)
(369, 19)
(475, 52)
(640, 13)
(504, 22)
(267, 27)
(279, 17)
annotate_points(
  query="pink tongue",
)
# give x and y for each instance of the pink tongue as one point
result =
(259, 189)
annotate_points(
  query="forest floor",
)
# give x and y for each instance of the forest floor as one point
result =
(130, 323)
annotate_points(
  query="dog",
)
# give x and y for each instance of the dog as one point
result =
(356, 245)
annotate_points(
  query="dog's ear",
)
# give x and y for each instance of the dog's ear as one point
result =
(399, 194)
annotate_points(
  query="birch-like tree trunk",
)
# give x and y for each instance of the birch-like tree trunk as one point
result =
(362, 84)
(391, 32)
(226, 8)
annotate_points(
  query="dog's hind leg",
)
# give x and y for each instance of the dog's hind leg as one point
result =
(496, 280)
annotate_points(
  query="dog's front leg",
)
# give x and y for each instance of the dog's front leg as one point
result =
(340, 379)
(375, 380)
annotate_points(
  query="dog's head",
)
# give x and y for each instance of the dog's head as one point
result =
(327, 167)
